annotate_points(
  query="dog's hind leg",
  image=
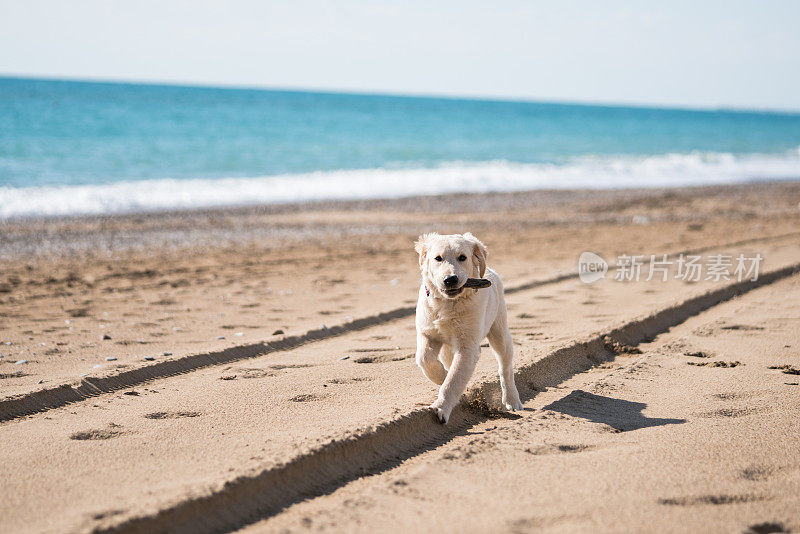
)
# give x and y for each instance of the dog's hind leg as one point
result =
(427, 352)
(503, 348)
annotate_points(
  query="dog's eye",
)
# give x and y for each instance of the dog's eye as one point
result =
(438, 258)
(462, 258)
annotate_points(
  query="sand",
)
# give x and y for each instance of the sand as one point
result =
(253, 368)
(644, 443)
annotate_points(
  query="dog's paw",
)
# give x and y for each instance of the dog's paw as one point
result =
(513, 405)
(441, 413)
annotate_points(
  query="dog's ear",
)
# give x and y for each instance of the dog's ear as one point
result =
(479, 252)
(421, 245)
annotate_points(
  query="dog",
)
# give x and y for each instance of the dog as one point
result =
(453, 320)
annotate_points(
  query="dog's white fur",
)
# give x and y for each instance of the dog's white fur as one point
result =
(450, 327)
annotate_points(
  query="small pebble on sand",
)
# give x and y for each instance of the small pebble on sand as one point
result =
(149, 358)
(20, 362)
(111, 359)
(105, 337)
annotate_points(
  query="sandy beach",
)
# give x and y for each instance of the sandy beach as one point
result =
(253, 369)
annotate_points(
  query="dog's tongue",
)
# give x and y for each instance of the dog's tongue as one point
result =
(478, 283)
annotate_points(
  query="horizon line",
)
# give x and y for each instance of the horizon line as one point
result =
(391, 94)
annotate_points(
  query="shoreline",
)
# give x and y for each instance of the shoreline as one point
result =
(279, 225)
(584, 173)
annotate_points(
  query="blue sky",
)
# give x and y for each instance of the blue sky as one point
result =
(701, 54)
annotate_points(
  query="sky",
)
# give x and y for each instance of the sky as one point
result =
(741, 54)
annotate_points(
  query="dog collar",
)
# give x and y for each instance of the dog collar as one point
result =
(427, 293)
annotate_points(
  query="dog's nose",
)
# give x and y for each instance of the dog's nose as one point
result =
(451, 281)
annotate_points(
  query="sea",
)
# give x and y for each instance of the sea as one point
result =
(75, 148)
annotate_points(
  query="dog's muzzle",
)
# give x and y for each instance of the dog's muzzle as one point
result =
(451, 287)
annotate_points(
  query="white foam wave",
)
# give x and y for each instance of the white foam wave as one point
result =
(669, 170)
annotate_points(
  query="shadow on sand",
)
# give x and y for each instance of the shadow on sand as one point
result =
(620, 414)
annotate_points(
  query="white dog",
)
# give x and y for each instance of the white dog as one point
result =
(453, 320)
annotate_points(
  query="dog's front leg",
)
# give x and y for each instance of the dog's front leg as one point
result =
(427, 359)
(464, 361)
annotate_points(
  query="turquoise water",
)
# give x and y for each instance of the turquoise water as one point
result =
(77, 147)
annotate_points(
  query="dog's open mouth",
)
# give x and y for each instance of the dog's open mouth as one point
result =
(453, 292)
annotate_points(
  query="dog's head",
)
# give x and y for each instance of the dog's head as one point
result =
(446, 261)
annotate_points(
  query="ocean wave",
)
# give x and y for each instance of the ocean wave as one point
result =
(593, 172)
